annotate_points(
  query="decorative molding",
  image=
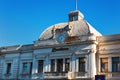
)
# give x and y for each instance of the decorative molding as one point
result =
(26, 60)
(8, 60)
(61, 55)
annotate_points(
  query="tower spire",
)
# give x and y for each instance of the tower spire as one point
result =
(76, 4)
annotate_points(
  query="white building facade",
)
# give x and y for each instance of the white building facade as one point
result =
(70, 50)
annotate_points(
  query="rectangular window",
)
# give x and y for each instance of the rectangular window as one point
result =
(30, 67)
(116, 64)
(67, 64)
(82, 64)
(52, 65)
(25, 66)
(8, 68)
(104, 64)
(59, 65)
(40, 66)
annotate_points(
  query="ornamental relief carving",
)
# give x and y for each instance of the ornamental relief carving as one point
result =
(62, 34)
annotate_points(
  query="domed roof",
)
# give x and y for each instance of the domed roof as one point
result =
(76, 26)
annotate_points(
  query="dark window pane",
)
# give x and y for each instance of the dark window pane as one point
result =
(82, 64)
(40, 66)
(59, 65)
(67, 64)
(8, 68)
(115, 59)
(115, 64)
(24, 67)
(31, 68)
(52, 65)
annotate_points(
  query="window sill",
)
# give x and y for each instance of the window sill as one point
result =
(57, 72)
(108, 72)
(7, 74)
(24, 74)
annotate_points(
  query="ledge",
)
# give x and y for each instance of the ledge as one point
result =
(8, 74)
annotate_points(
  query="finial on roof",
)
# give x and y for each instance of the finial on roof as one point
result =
(76, 14)
(76, 4)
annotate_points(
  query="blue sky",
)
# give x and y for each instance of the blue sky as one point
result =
(22, 21)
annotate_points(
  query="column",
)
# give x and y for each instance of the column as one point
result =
(4, 68)
(89, 65)
(1, 67)
(92, 64)
(55, 65)
(28, 67)
(47, 64)
(20, 69)
(63, 64)
(77, 63)
(34, 68)
(15, 70)
(86, 63)
(109, 66)
(73, 65)
(99, 65)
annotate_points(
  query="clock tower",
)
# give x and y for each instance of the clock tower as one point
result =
(75, 15)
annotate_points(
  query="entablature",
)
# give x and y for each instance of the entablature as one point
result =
(110, 38)
(82, 38)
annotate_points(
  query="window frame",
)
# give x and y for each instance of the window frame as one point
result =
(105, 63)
(67, 64)
(52, 69)
(117, 63)
(25, 67)
(82, 64)
(40, 65)
(60, 66)
(9, 66)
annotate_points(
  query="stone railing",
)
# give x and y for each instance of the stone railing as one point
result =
(61, 75)
(110, 74)
(83, 75)
(37, 76)
(55, 75)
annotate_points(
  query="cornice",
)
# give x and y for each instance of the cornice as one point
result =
(30, 49)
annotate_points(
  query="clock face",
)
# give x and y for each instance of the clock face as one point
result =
(61, 35)
(61, 38)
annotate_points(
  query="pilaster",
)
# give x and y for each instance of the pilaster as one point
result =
(73, 63)
(55, 65)
(92, 67)
(63, 64)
